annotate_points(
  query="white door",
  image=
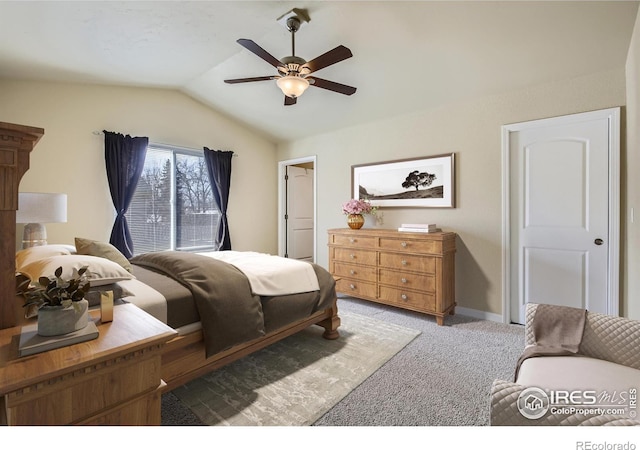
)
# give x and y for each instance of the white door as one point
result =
(560, 213)
(299, 214)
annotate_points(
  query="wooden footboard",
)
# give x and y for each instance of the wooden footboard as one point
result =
(183, 358)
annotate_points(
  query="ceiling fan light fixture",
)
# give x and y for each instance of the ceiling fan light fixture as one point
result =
(292, 86)
(293, 70)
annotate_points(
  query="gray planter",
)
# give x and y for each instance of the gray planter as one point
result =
(56, 320)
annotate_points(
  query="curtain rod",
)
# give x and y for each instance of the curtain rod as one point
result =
(152, 143)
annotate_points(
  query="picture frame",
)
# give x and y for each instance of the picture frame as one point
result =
(427, 182)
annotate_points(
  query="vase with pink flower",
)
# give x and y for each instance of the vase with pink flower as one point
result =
(355, 209)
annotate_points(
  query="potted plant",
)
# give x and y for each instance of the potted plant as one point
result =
(60, 304)
(355, 210)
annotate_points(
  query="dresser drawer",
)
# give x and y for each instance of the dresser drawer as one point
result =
(356, 288)
(355, 256)
(411, 245)
(426, 264)
(352, 241)
(363, 273)
(404, 280)
(411, 299)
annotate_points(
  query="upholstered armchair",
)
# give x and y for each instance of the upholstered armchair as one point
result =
(605, 373)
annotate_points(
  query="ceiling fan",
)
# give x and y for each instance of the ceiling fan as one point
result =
(295, 74)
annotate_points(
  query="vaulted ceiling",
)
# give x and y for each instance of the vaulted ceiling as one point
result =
(407, 56)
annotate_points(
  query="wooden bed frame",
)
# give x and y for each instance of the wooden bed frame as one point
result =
(16, 144)
(183, 357)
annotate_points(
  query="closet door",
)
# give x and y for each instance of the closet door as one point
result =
(561, 204)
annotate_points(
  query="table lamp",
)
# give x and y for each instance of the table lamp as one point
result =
(35, 209)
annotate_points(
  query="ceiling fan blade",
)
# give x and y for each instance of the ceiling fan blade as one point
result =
(247, 80)
(288, 101)
(259, 51)
(340, 53)
(332, 86)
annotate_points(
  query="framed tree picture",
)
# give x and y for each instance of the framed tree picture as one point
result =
(422, 182)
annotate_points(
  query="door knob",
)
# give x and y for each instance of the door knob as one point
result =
(598, 241)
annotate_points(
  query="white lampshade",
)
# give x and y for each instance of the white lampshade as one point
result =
(292, 86)
(37, 208)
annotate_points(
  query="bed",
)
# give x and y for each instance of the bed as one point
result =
(224, 305)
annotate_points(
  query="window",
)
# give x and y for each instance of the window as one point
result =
(173, 207)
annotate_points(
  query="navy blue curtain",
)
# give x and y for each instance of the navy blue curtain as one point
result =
(219, 169)
(124, 156)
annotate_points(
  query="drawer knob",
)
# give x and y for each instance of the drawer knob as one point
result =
(352, 286)
(404, 244)
(403, 262)
(403, 296)
(352, 256)
(404, 280)
(352, 272)
(352, 240)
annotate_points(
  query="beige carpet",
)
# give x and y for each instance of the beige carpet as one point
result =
(297, 380)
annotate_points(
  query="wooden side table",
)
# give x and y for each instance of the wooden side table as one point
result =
(114, 379)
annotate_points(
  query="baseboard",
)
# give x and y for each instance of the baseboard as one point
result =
(477, 314)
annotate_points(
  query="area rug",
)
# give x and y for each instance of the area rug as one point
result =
(297, 380)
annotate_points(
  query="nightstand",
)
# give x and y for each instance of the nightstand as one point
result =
(114, 379)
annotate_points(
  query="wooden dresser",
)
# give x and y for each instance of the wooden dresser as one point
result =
(414, 271)
(112, 380)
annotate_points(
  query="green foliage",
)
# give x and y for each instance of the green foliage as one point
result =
(53, 291)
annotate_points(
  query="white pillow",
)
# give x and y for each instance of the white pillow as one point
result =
(31, 254)
(100, 272)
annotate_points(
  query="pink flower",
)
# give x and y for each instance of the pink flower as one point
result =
(354, 206)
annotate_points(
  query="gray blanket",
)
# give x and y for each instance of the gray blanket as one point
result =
(557, 331)
(230, 314)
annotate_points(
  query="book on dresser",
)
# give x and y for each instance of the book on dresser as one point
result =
(428, 226)
(419, 230)
(412, 271)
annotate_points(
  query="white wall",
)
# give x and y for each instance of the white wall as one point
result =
(70, 158)
(472, 131)
(631, 183)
